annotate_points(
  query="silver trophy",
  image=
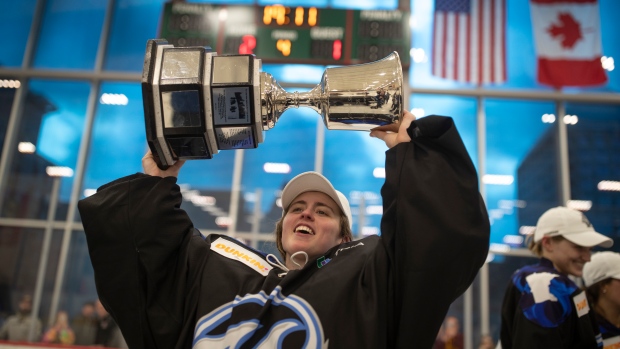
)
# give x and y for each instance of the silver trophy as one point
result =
(197, 102)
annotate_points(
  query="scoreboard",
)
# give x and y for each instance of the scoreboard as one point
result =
(281, 34)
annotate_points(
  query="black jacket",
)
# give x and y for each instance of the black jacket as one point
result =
(169, 287)
(609, 332)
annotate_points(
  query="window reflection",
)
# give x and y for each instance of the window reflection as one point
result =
(15, 18)
(78, 294)
(6, 103)
(52, 121)
(519, 143)
(461, 109)
(134, 22)
(118, 139)
(21, 250)
(594, 157)
(78, 26)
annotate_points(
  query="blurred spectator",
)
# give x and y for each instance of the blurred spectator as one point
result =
(450, 337)
(108, 334)
(85, 325)
(601, 276)
(60, 332)
(17, 327)
(6, 308)
(486, 342)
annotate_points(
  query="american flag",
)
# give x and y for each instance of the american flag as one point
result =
(468, 40)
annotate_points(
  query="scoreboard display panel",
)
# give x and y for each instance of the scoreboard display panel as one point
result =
(282, 34)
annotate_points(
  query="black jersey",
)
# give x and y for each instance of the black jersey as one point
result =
(609, 332)
(544, 309)
(168, 286)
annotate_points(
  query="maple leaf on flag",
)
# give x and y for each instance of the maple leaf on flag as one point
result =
(569, 29)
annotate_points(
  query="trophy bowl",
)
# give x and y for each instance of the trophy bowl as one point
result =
(197, 102)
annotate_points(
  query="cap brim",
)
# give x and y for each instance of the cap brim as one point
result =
(307, 181)
(589, 239)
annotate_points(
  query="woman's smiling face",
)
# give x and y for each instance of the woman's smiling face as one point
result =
(567, 257)
(312, 225)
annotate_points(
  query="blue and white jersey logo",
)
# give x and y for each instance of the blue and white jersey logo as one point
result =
(545, 296)
(216, 330)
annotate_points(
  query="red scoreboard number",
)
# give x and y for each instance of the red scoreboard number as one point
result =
(337, 50)
(248, 44)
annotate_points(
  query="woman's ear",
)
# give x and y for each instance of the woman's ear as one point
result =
(547, 244)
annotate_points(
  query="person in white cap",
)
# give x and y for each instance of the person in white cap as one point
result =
(601, 277)
(543, 307)
(168, 286)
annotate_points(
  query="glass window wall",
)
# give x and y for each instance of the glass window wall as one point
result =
(53, 123)
(79, 25)
(534, 146)
(15, 18)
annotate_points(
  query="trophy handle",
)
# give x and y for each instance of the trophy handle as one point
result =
(157, 159)
(147, 100)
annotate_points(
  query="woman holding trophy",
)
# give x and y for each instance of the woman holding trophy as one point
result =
(168, 286)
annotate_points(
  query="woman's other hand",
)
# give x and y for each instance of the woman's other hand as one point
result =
(394, 133)
(150, 167)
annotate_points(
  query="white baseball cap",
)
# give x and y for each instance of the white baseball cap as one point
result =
(570, 224)
(602, 266)
(314, 181)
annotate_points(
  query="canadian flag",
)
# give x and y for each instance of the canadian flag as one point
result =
(568, 42)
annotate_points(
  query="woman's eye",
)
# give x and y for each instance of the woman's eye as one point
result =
(295, 209)
(321, 212)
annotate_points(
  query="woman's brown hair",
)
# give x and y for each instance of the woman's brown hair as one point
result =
(594, 291)
(536, 247)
